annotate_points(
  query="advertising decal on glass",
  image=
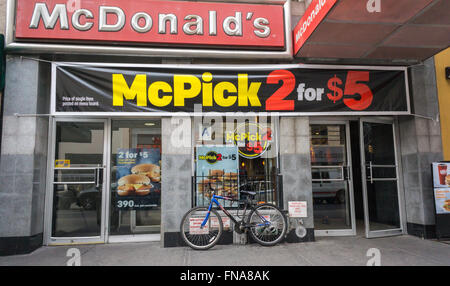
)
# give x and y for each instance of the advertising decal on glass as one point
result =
(216, 172)
(252, 139)
(62, 163)
(138, 183)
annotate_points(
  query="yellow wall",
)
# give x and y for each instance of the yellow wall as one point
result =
(442, 60)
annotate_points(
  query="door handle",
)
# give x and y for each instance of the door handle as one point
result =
(370, 172)
(98, 176)
(347, 173)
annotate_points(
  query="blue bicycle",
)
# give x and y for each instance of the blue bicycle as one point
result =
(202, 227)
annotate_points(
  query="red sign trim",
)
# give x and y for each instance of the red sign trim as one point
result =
(313, 16)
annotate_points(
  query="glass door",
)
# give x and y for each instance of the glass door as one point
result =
(135, 184)
(78, 187)
(380, 178)
(331, 179)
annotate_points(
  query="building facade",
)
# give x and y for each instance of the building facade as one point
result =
(110, 135)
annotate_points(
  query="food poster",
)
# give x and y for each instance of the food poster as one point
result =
(442, 200)
(441, 175)
(138, 179)
(217, 172)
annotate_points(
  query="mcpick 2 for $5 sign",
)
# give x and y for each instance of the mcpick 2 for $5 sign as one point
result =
(245, 93)
(234, 89)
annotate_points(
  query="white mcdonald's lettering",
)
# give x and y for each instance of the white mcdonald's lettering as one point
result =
(142, 22)
(310, 18)
(185, 87)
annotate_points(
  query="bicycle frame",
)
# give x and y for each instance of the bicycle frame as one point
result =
(215, 201)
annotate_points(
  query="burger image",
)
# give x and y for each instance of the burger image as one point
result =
(152, 171)
(134, 185)
(206, 186)
(447, 180)
(230, 184)
(230, 176)
(446, 205)
(203, 185)
(231, 189)
(216, 175)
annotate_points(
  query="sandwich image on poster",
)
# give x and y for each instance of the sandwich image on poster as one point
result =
(442, 200)
(217, 173)
(138, 179)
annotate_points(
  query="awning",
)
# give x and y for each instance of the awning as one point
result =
(367, 31)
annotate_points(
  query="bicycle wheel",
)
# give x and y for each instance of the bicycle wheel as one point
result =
(267, 224)
(201, 238)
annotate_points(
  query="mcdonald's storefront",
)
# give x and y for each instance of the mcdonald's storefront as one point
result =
(114, 115)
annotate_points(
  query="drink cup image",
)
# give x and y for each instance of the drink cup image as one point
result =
(442, 171)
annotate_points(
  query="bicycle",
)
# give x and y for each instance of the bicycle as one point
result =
(202, 227)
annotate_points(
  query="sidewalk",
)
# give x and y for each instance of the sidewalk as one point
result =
(400, 250)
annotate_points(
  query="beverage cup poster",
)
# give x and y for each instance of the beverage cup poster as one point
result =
(442, 200)
(216, 172)
(441, 175)
(138, 179)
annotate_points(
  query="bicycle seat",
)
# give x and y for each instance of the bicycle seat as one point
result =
(248, 192)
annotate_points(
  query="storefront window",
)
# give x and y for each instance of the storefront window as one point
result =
(135, 177)
(234, 155)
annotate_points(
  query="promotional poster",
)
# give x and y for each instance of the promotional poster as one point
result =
(441, 192)
(138, 175)
(441, 182)
(292, 90)
(217, 172)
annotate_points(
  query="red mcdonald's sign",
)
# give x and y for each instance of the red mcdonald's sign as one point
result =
(149, 22)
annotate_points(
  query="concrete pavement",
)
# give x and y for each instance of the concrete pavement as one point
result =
(401, 250)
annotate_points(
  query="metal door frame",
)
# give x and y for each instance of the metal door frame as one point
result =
(351, 198)
(388, 232)
(48, 212)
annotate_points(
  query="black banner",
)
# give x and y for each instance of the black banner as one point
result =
(243, 89)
